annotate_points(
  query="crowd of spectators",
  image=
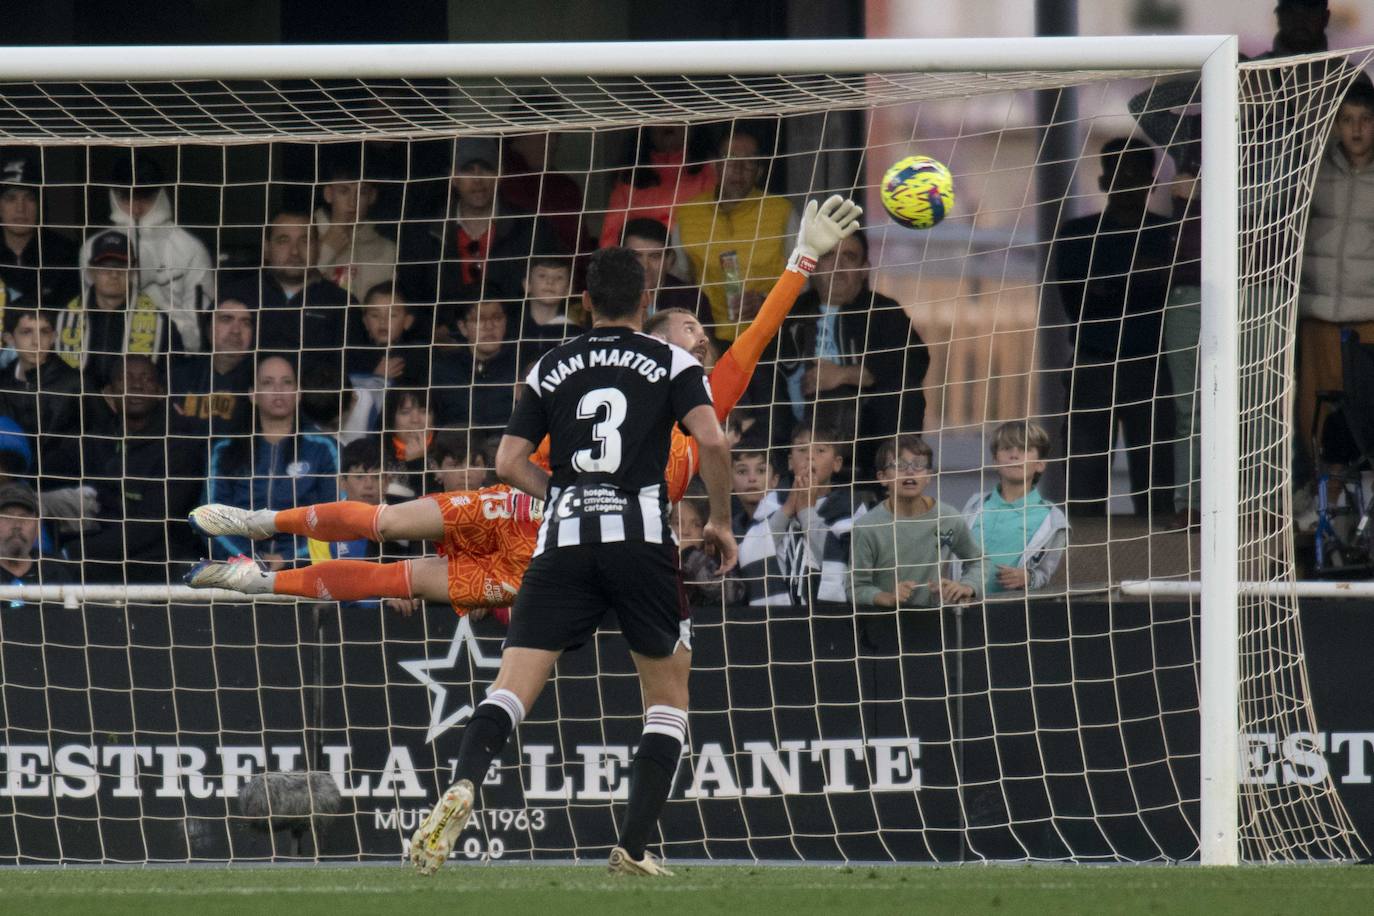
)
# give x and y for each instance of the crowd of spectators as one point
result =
(349, 355)
(352, 357)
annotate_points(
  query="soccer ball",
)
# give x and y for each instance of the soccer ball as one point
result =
(918, 191)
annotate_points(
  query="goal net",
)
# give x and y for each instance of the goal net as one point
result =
(287, 290)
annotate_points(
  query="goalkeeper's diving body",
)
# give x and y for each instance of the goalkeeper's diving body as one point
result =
(607, 403)
(487, 536)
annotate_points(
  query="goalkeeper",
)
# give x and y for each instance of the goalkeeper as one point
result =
(486, 536)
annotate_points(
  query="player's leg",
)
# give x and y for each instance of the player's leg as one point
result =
(346, 520)
(559, 606)
(518, 684)
(654, 618)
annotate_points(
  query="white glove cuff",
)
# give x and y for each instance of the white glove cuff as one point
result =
(802, 262)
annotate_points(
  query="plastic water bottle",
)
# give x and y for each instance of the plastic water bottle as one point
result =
(734, 283)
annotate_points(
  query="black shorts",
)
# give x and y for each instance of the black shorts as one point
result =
(568, 590)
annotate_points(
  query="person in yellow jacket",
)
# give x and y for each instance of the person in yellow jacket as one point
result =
(735, 237)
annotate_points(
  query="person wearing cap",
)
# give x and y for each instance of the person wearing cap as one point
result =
(482, 249)
(170, 266)
(37, 265)
(298, 310)
(352, 253)
(20, 535)
(102, 324)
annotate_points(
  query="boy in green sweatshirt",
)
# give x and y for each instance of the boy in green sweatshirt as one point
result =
(900, 546)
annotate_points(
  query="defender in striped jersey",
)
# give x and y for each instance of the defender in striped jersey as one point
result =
(608, 402)
(487, 536)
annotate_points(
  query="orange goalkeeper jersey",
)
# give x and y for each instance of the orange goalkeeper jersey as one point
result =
(729, 380)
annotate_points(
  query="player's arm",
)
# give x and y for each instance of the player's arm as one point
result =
(513, 466)
(701, 422)
(528, 425)
(692, 407)
(823, 226)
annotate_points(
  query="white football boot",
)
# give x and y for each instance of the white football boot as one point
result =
(241, 574)
(433, 841)
(620, 863)
(217, 520)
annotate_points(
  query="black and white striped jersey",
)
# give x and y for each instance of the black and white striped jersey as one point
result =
(608, 401)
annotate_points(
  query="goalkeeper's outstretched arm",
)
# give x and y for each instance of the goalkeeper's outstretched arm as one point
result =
(823, 226)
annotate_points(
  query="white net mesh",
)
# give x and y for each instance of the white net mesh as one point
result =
(1058, 722)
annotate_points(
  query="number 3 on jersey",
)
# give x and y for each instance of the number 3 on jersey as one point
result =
(604, 458)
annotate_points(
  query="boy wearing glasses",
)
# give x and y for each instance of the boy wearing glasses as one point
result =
(1020, 535)
(900, 544)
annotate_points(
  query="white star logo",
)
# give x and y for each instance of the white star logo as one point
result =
(421, 668)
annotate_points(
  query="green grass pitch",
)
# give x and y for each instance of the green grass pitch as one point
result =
(744, 890)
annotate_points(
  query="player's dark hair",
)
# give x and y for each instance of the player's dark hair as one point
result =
(361, 455)
(643, 228)
(615, 283)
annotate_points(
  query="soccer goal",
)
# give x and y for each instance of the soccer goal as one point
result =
(1066, 721)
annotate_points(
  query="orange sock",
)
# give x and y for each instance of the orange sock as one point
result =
(345, 580)
(341, 521)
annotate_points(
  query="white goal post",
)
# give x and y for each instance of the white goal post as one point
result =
(1007, 60)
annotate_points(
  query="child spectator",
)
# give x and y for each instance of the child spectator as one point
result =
(385, 350)
(1020, 535)
(753, 481)
(545, 323)
(799, 553)
(1337, 291)
(103, 324)
(901, 543)
(361, 479)
(42, 393)
(701, 571)
(455, 466)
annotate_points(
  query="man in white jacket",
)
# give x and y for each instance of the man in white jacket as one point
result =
(171, 266)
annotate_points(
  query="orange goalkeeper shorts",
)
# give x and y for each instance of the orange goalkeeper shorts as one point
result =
(489, 535)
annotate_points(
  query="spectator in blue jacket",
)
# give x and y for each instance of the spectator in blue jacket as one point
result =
(278, 467)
